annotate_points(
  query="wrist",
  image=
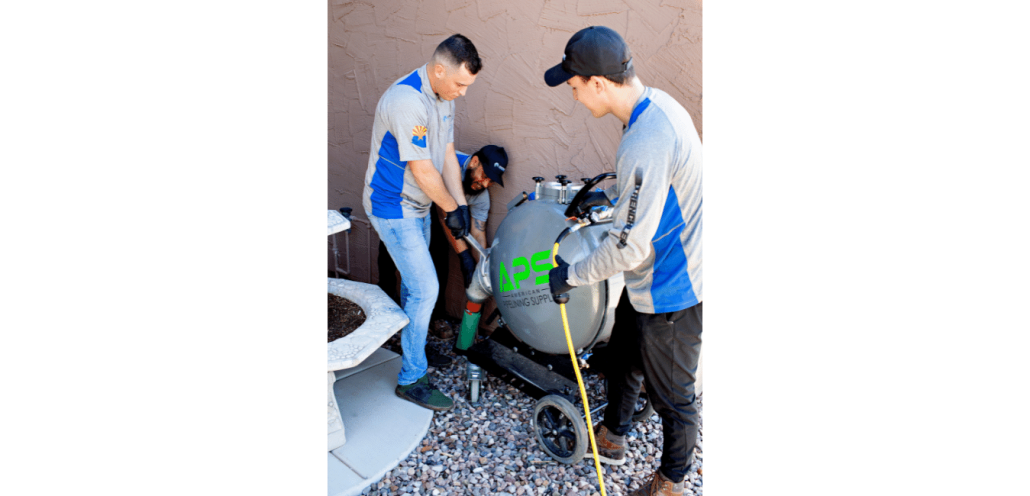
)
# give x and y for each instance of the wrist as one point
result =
(568, 275)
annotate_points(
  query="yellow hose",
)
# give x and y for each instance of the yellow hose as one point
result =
(579, 379)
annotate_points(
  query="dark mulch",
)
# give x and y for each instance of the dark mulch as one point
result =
(344, 317)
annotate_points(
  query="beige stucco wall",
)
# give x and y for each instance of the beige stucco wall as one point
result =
(544, 131)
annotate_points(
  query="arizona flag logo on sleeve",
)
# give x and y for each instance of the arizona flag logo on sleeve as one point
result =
(418, 137)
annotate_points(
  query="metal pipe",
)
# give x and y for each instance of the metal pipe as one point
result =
(475, 244)
(368, 251)
(336, 256)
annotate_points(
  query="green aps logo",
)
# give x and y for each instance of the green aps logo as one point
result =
(539, 264)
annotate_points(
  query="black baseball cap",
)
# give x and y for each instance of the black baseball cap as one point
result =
(494, 160)
(593, 51)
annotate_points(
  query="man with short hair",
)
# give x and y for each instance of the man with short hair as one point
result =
(412, 164)
(655, 241)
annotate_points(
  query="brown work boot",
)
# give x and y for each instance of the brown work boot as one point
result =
(659, 486)
(611, 449)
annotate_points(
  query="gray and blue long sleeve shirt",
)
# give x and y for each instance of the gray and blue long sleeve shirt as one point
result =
(661, 253)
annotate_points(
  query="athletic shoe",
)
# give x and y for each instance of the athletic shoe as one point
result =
(422, 393)
(435, 359)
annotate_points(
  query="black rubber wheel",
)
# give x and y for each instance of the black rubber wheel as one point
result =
(560, 431)
(644, 409)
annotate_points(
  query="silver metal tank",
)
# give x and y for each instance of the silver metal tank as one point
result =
(519, 260)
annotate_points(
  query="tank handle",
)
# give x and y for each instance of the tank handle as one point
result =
(576, 200)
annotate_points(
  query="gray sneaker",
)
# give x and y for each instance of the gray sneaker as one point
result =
(422, 393)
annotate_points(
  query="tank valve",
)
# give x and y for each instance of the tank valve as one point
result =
(539, 186)
(563, 180)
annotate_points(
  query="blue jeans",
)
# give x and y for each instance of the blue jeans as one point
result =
(407, 240)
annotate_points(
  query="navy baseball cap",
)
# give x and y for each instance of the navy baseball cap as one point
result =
(496, 160)
(593, 51)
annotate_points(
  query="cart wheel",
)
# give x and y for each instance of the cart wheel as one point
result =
(560, 430)
(644, 408)
(474, 391)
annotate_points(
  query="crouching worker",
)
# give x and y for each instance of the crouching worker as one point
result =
(478, 172)
(655, 241)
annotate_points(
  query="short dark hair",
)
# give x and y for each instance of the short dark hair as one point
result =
(620, 78)
(459, 50)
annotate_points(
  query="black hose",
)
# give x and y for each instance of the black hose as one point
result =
(576, 200)
(562, 235)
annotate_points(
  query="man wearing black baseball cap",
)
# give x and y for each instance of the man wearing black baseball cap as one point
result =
(479, 171)
(656, 245)
(594, 51)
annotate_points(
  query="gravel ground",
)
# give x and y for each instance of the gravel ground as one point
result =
(490, 449)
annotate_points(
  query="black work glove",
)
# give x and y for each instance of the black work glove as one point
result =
(468, 266)
(558, 278)
(591, 200)
(458, 221)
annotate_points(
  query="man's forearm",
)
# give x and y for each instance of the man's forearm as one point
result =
(479, 235)
(458, 245)
(432, 184)
(452, 175)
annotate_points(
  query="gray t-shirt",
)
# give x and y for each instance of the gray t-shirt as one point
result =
(411, 123)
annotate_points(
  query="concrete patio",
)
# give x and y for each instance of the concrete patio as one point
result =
(370, 429)
(382, 429)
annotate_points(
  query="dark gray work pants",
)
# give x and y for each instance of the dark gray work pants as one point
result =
(662, 351)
